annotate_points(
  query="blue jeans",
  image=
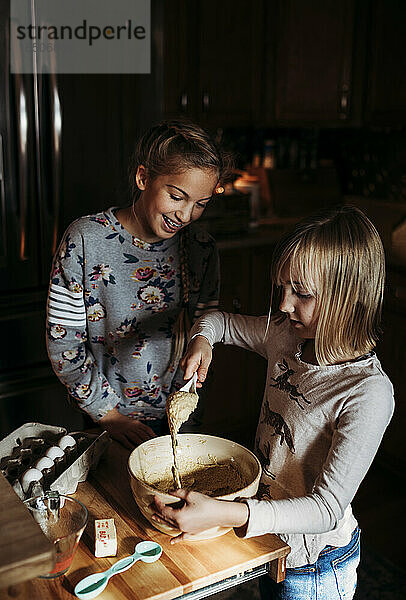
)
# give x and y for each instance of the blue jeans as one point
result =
(332, 577)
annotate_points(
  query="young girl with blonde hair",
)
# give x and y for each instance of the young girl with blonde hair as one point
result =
(326, 404)
(127, 283)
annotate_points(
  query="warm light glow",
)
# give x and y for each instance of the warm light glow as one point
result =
(219, 190)
(22, 246)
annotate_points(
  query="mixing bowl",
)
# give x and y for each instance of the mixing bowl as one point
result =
(153, 459)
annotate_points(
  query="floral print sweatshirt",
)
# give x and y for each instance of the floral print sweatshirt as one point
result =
(113, 300)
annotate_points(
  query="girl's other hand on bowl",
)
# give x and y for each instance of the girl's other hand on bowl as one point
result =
(197, 358)
(198, 513)
(126, 430)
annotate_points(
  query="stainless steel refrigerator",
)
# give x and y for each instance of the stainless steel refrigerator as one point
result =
(65, 142)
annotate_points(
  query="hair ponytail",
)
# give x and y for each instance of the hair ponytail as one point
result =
(182, 324)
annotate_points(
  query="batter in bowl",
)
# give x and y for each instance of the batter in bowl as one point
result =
(213, 479)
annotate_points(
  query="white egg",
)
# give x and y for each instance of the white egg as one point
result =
(28, 477)
(44, 463)
(54, 452)
(67, 441)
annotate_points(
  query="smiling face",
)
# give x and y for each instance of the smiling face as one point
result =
(299, 304)
(170, 202)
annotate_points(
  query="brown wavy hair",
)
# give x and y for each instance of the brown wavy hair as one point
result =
(175, 146)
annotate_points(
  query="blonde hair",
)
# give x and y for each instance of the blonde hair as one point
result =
(173, 147)
(337, 255)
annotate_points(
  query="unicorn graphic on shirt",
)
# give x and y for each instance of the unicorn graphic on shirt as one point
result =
(281, 428)
(282, 383)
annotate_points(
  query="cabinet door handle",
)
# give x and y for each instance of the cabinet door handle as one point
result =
(344, 101)
(236, 306)
(183, 102)
(400, 292)
(206, 101)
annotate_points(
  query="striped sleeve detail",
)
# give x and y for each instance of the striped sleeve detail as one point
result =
(66, 307)
(205, 307)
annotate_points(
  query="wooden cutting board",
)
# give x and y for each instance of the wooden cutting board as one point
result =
(183, 567)
(25, 552)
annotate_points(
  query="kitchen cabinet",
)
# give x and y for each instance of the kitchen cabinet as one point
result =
(391, 351)
(313, 80)
(246, 63)
(284, 62)
(25, 552)
(237, 376)
(229, 389)
(386, 63)
(243, 63)
(213, 60)
(337, 63)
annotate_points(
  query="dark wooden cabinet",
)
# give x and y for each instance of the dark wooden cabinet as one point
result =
(391, 351)
(391, 348)
(314, 60)
(229, 61)
(260, 63)
(103, 115)
(285, 62)
(235, 274)
(386, 63)
(238, 376)
(213, 60)
(178, 59)
(260, 290)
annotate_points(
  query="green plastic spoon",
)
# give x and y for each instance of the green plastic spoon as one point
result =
(93, 585)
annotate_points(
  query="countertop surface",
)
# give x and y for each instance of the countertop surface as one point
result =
(267, 231)
(183, 567)
(24, 549)
(270, 230)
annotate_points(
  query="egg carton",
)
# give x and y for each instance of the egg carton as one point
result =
(20, 450)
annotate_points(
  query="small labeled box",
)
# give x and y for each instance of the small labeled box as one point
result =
(105, 538)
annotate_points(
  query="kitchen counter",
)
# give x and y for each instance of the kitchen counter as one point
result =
(268, 231)
(386, 216)
(24, 549)
(207, 566)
